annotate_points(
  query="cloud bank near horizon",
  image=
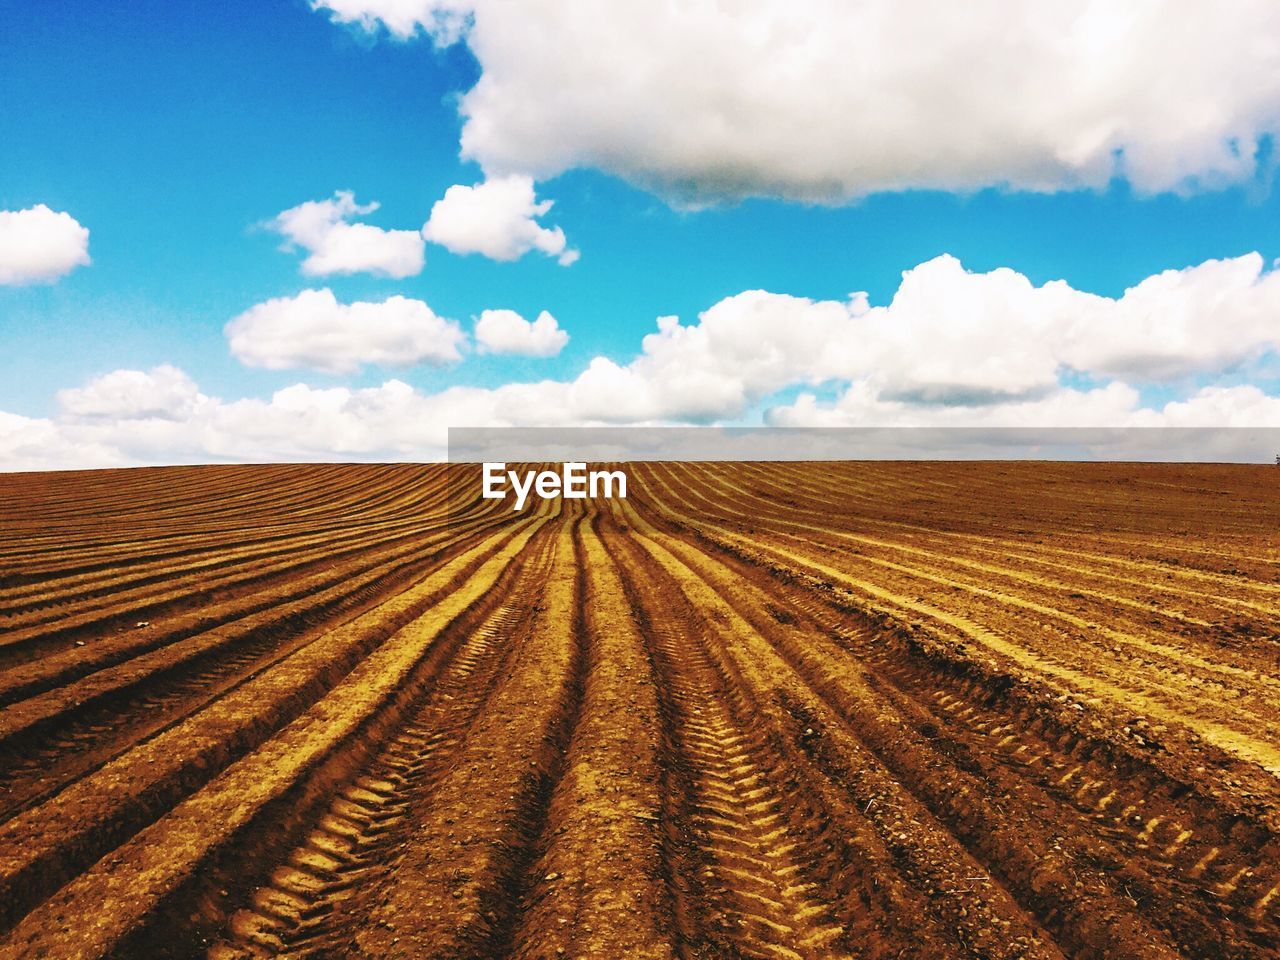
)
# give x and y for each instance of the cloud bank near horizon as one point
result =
(952, 348)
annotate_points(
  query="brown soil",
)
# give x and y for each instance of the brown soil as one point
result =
(881, 710)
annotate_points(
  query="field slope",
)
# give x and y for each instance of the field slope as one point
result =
(759, 710)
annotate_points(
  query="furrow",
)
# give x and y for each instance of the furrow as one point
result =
(322, 885)
(47, 845)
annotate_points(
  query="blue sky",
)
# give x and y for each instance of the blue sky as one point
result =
(174, 131)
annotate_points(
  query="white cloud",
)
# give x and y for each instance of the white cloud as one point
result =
(505, 331)
(951, 349)
(496, 218)
(443, 19)
(335, 245)
(861, 405)
(38, 245)
(394, 421)
(29, 443)
(1116, 405)
(314, 330)
(828, 100)
(1179, 322)
(1238, 406)
(955, 339)
(950, 336)
(951, 344)
(391, 421)
(162, 393)
(297, 423)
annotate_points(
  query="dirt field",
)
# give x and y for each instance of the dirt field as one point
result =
(756, 710)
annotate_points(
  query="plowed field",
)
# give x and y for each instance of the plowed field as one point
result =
(760, 710)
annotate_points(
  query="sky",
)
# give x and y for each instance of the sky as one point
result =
(330, 229)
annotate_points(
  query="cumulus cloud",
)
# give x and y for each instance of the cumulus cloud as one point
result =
(951, 349)
(39, 245)
(827, 100)
(505, 331)
(316, 331)
(951, 336)
(950, 344)
(1210, 317)
(335, 245)
(297, 423)
(32, 443)
(162, 393)
(496, 218)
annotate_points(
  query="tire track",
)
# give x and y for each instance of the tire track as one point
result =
(1246, 876)
(458, 880)
(47, 845)
(1149, 696)
(52, 739)
(759, 864)
(306, 909)
(599, 884)
(921, 847)
(755, 711)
